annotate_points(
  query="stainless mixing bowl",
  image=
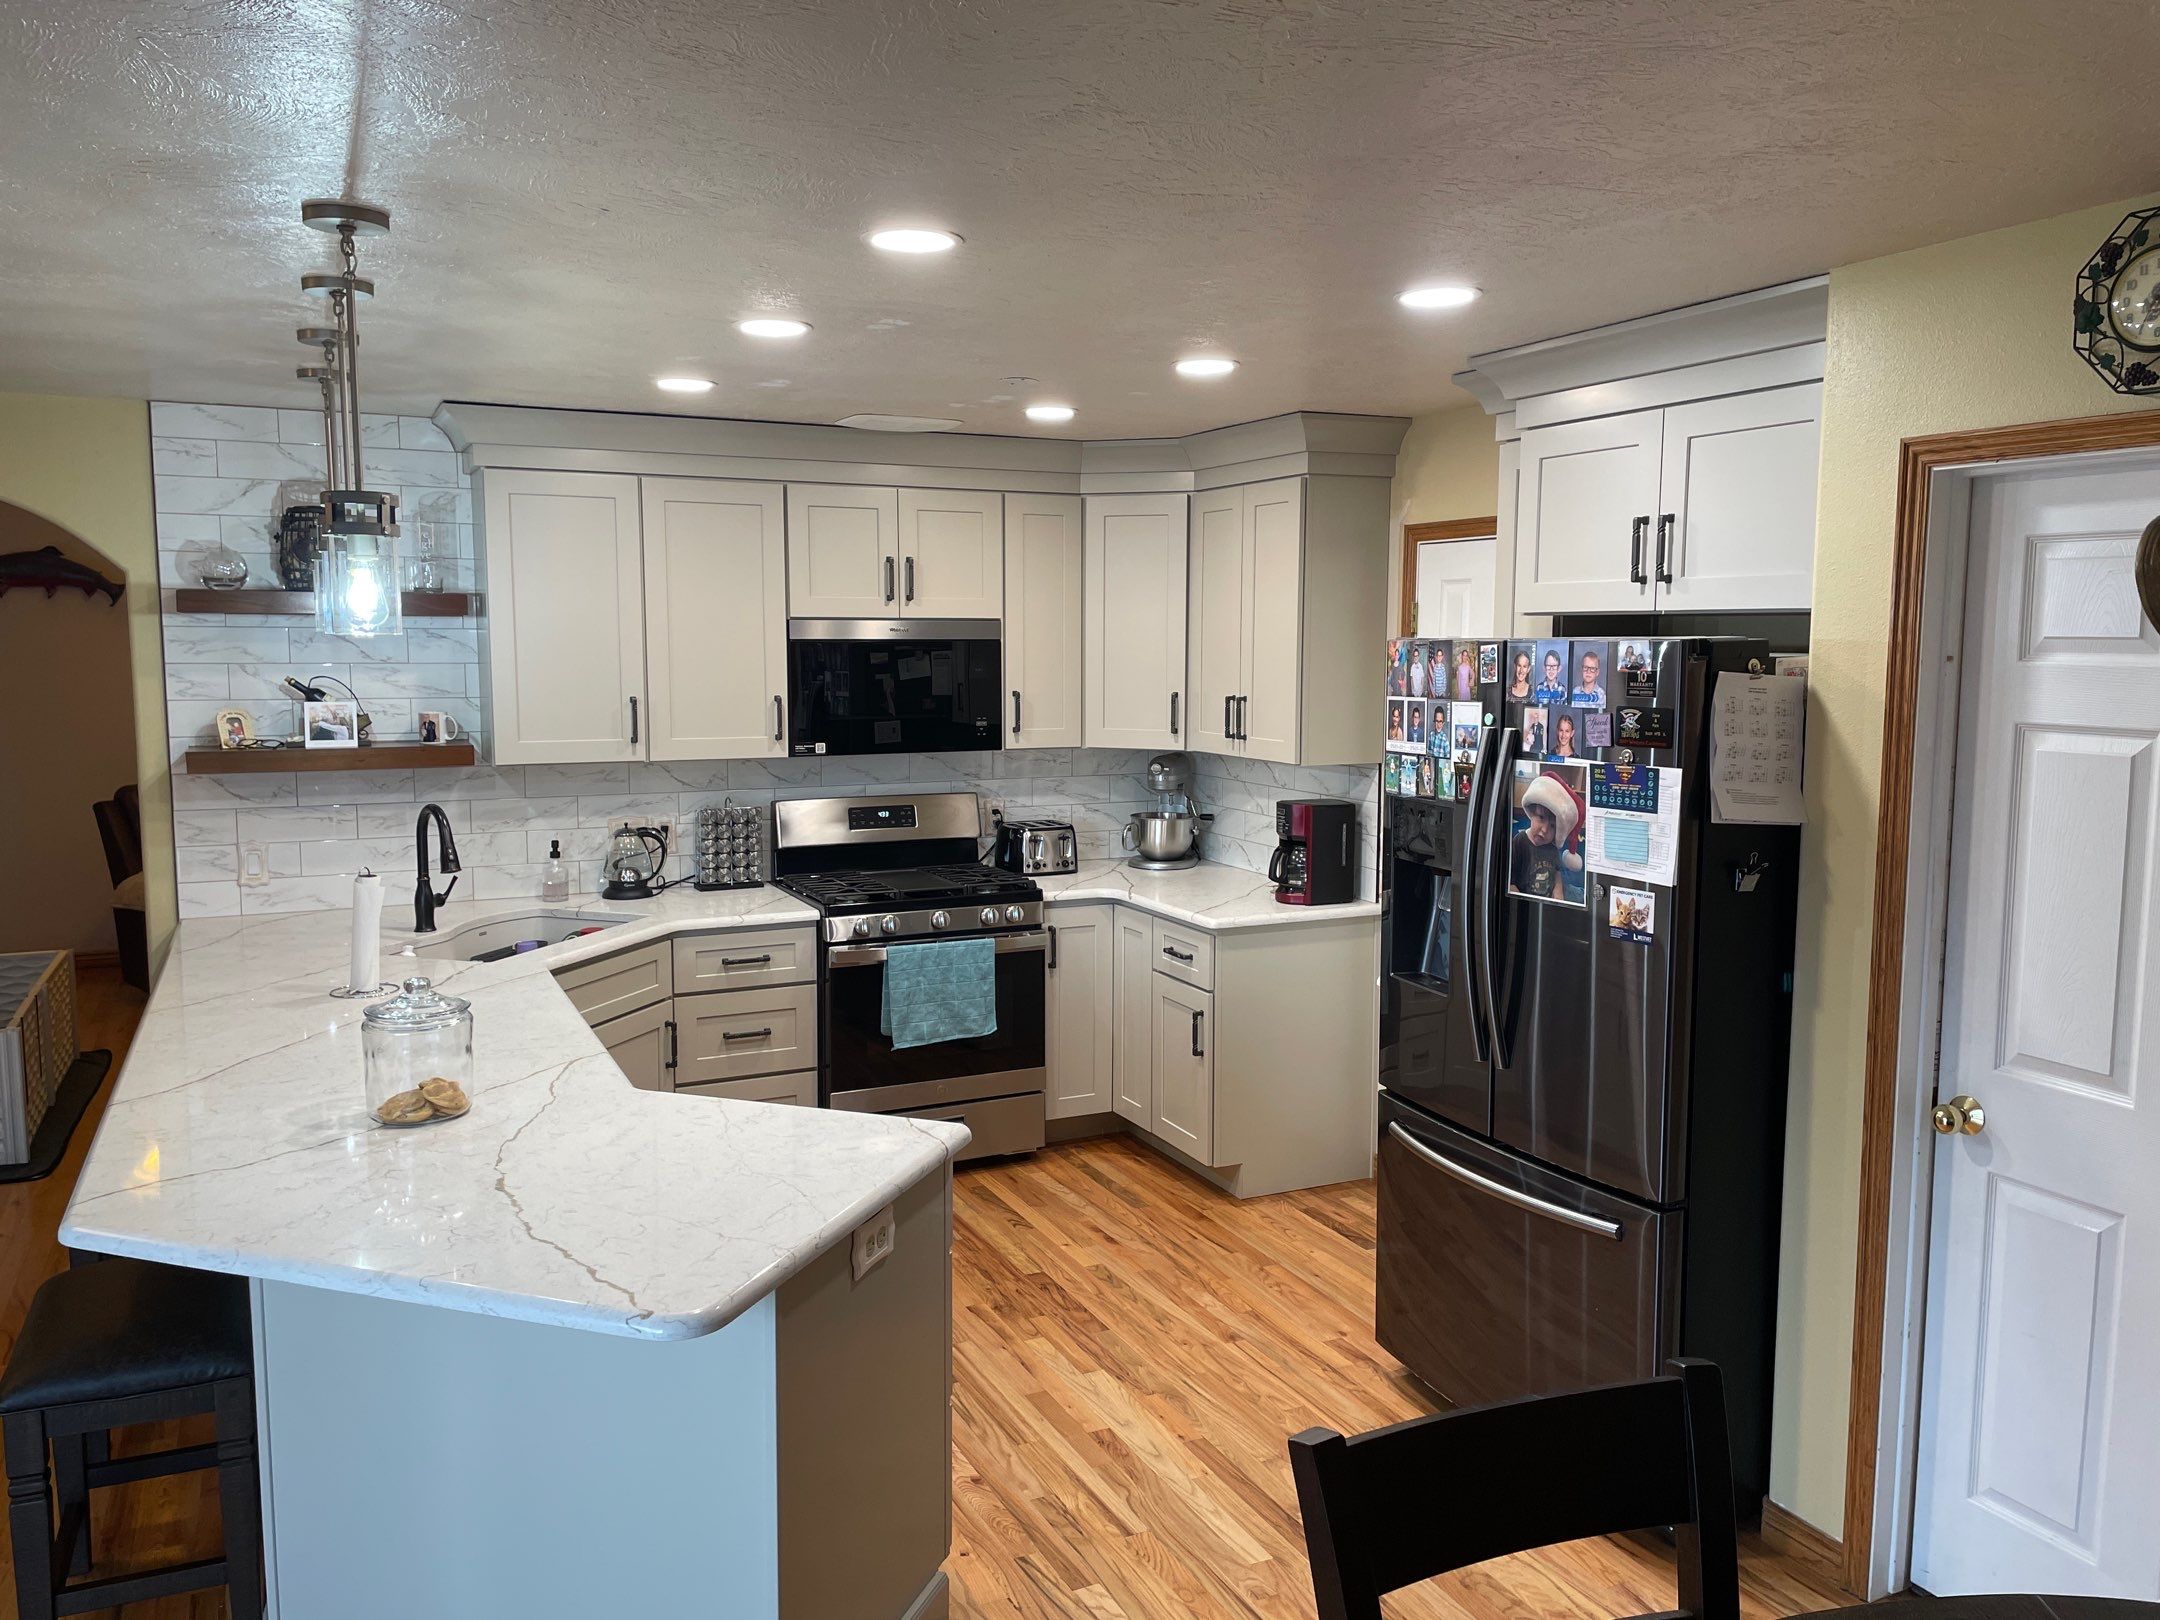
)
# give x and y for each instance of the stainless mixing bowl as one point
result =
(1161, 835)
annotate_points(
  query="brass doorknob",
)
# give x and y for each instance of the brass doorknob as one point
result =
(1961, 1115)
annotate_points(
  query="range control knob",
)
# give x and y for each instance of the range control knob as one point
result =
(889, 925)
(1015, 914)
(861, 929)
(940, 919)
(989, 916)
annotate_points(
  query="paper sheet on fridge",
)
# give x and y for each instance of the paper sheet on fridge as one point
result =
(1632, 828)
(1758, 725)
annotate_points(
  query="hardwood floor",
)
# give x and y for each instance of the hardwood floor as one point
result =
(1131, 1349)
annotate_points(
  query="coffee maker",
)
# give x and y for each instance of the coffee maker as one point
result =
(1315, 859)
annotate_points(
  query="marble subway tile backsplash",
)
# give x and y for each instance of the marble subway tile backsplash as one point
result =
(290, 841)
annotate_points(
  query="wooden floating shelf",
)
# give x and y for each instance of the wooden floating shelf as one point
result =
(418, 604)
(397, 756)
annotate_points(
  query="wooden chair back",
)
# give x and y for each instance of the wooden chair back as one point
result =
(1402, 1504)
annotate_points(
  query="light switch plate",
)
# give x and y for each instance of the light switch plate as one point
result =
(873, 1242)
(254, 865)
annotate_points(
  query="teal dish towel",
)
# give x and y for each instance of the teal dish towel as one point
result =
(945, 990)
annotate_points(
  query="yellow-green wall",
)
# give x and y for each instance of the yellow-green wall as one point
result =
(1448, 467)
(1966, 334)
(85, 465)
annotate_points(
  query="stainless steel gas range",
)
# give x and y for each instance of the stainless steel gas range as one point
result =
(885, 872)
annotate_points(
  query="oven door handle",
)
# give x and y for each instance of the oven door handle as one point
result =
(866, 955)
(1501, 1190)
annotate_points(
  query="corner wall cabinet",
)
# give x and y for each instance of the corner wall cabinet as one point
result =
(1702, 506)
(1136, 561)
(1044, 622)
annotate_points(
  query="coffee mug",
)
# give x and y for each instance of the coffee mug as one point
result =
(437, 727)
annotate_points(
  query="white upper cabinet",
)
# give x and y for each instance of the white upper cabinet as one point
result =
(565, 629)
(1736, 515)
(952, 554)
(715, 618)
(1218, 652)
(843, 552)
(1276, 655)
(1044, 574)
(1136, 565)
(1586, 499)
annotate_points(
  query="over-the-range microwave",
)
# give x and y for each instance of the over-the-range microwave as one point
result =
(893, 686)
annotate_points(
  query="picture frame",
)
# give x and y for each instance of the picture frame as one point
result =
(332, 723)
(235, 728)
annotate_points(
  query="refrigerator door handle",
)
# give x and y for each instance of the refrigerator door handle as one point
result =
(1501, 1190)
(1491, 895)
(1472, 888)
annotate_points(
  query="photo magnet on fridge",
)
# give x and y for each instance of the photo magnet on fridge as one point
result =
(1488, 662)
(1552, 673)
(1596, 729)
(1586, 688)
(1398, 726)
(1428, 778)
(1567, 739)
(1464, 689)
(1534, 732)
(1545, 856)
(1642, 728)
(1636, 674)
(1631, 914)
(1414, 713)
(1398, 667)
(1624, 787)
(1521, 675)
(1421, 661)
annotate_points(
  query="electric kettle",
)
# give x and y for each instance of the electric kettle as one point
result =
(636, 857)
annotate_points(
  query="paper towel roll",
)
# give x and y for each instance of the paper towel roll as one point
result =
(366, 932)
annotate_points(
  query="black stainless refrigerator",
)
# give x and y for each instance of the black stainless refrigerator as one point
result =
(1582, 1119)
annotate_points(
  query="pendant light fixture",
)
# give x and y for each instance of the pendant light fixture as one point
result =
(356, 578)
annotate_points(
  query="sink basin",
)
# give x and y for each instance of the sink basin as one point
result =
(483, 941)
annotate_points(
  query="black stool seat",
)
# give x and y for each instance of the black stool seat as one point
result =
(127, 1327)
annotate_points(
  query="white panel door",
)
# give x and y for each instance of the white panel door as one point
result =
(2039, 1467)
(843, 549)
(1136, 552)
(565, 617)
(952, 554)
(1133, 956)
(1083, 1029)
(1736, 518)
(715, 618)
(1217, 619)
(1456, 588)
(1185, 1067)
(1044, 622)
(1273, 659)
(1586, 498)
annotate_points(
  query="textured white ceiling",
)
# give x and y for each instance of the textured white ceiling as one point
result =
(590, 192)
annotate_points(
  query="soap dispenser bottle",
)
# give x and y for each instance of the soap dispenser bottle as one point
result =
(555, 875)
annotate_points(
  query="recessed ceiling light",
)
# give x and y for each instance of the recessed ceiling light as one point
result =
(1049, 413)
(909, 239)
(1445, 295)
(684, 385)
(1205, 365)
(774, 326)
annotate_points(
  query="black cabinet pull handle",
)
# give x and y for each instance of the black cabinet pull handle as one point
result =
(1229, 720)
(746, 961)
(1051, 965)
(1016, 711)
(911, 579)
(746, 1034)
(778, 718)
(1242, 734)
(1637, 532)
(1664, 548)
(674, 1044)
(1196, 1047)
(888, 579)
(633, 719)
(1174, 696)
(1177, 955)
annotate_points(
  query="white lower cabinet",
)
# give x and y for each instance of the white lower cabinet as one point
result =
(1082, 1028)
(1133, 1008)
(641, 1044)
(1184, 1067)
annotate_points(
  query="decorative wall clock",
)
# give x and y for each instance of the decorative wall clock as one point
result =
(2116, 316)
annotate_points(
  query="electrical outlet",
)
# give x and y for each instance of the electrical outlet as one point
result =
(873, 1241)
(254, 865)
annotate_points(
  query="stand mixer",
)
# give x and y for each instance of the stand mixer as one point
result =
(1167, 837)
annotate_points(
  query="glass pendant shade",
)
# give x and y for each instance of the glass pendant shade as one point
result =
(357, 587)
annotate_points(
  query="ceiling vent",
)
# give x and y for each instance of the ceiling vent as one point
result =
(900, 424)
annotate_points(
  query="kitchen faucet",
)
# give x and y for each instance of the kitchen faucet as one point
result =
(425, 899)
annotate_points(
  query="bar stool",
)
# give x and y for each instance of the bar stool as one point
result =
(108, 1345)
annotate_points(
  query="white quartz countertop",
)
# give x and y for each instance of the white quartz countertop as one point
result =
(237, 1138)
(1205, 896)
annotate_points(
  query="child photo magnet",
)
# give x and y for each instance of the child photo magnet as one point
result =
(1428, 778)
(1522, 674)
(1488, 662)
(1414, 725)
(1398, 726)
(1636, 674)
(1545, 857)
(1464, 689)
(1552, 673)
(1534, 733)
(1591, 661)
(1398, 668)
(1631, 914)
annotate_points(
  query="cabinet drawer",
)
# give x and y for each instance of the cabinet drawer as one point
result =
(745, 958)
(621, 983)
(1185, 953)
(740, 1033)
(798, 1088)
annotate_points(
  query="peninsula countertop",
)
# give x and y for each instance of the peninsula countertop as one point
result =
(236, 1139)
(1209, 895)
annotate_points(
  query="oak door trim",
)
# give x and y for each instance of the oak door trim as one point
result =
(1919, 459)
(1415, 535)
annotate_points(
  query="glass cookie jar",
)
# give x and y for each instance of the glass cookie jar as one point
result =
(417, 1049)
